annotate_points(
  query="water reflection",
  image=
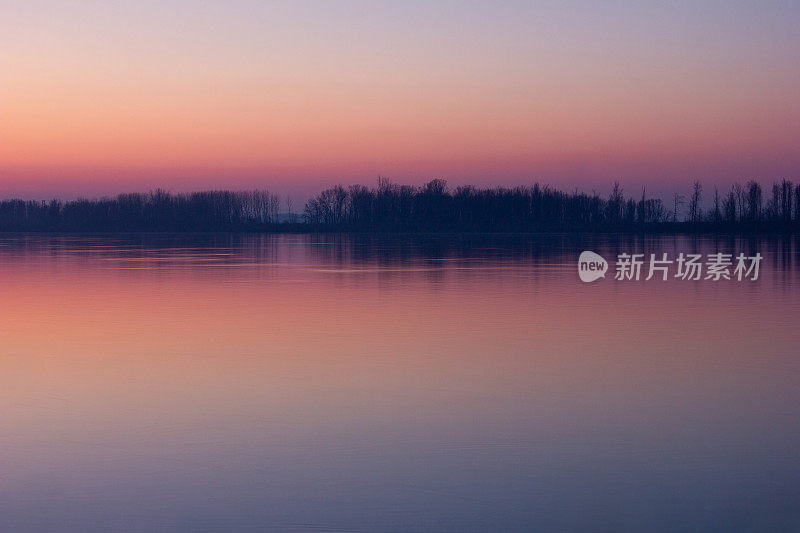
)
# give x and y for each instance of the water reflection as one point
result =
(446, 383)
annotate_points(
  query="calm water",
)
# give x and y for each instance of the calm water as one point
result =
(160, 383)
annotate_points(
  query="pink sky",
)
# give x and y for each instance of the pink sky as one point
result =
(98, 98)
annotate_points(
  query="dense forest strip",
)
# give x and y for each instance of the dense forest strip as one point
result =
(390, 207)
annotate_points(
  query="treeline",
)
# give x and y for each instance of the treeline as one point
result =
(390, 207)
(433, 207)
(155, 211)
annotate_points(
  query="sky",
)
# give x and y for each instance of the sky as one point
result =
(98, 98)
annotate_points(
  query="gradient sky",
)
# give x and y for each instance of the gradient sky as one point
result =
(102, 97)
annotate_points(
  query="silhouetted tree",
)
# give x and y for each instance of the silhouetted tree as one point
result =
(729, 208)
(797, 203)
(786, 201)
(392, 207)
(753, 201)
(694, 203)
(677, 201)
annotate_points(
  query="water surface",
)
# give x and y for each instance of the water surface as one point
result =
(440, 383)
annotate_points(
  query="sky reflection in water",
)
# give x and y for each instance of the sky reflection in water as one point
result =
(381, 384)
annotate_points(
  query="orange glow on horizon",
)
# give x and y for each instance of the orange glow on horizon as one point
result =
(499, 97)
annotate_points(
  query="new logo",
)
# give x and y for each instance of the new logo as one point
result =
(591, 266)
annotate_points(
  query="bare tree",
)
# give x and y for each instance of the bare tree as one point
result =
(677, 201)
(290, 209)
(694, 203)
(741, 201)
(753, 201)
(615, 203)
(786, 200)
